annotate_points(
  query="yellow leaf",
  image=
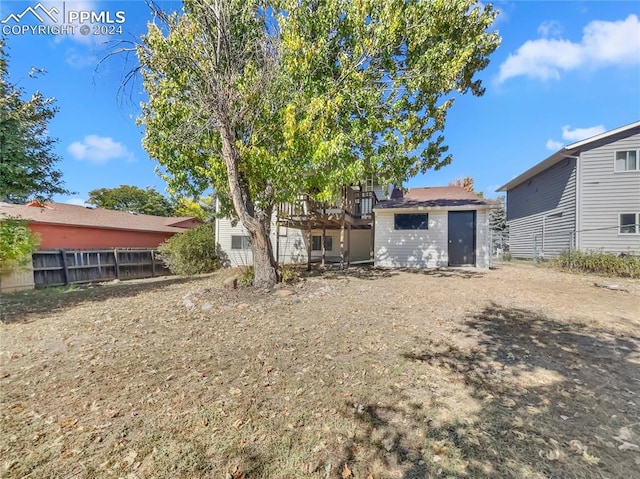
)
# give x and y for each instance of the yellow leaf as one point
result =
(346, 472)
(589, 458)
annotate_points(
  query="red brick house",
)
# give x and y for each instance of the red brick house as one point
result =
(63, 226)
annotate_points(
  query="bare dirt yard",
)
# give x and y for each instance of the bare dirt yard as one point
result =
(517, 372)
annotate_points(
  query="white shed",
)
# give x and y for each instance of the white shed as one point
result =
(433, 227)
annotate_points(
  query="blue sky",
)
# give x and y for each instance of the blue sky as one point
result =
(565, 70)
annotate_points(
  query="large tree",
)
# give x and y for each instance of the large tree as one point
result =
(147, 201)
(27, 156)
(265, 100)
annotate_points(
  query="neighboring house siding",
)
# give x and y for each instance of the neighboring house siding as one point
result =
(541, 212)
(424, 248)
(604, 194)
(57, 236)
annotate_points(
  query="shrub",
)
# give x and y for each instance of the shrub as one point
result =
(626, 266)
(191, 252)
(16, 243)
(246, 277)
(289, 274)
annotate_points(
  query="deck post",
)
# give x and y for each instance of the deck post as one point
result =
(324, 251)
(277, 237)
(342, 241)
(309, 246)
(348, 245)
(373, 237)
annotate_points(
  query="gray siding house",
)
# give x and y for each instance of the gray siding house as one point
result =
(587, 196)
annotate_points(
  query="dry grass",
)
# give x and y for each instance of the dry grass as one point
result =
(518, 372)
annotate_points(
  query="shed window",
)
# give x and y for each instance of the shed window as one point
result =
(316, 243)
(239, 242)
(411, 221)
(627, 161)
(629, 223)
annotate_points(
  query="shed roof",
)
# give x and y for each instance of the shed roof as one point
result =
(437, 197)
(73, 215)
(568, 151)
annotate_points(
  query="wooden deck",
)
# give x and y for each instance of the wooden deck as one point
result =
(355, 209)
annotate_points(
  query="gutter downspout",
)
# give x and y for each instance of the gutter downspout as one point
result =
(577, 202)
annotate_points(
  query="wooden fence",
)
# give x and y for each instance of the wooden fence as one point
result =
(62, 267)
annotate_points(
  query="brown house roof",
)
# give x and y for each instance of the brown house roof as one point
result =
(437, 197)
(64, 214)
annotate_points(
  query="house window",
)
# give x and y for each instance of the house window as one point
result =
(239, 242)
(316, 243)
(629, 223)
(411, 221)
(627, 161)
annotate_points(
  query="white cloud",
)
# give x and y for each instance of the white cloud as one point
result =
(550, 28)
(99, 150)
(78, 61)
(554, 145)
(578, 134)
(603, 44)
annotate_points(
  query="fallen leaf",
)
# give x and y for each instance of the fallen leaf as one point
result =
(311, 467)
(346, 472)
(439, 447)
(577, 446)
(129, 459)
(520, 435)
(627, 446)
(589, 458)
(551, 455)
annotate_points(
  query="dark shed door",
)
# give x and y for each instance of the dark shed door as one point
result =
(462, 238)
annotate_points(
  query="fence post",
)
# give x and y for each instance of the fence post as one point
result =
(115, 259)
(65, 267)
(153, 263)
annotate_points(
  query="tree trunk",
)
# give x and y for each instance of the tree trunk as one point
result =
(265, 272)
(257, 221)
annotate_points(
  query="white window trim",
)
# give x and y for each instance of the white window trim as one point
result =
(242, 241)
(615, 154)
(637, 223)
(327, 237)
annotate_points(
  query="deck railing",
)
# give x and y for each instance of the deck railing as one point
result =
(357, 204)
